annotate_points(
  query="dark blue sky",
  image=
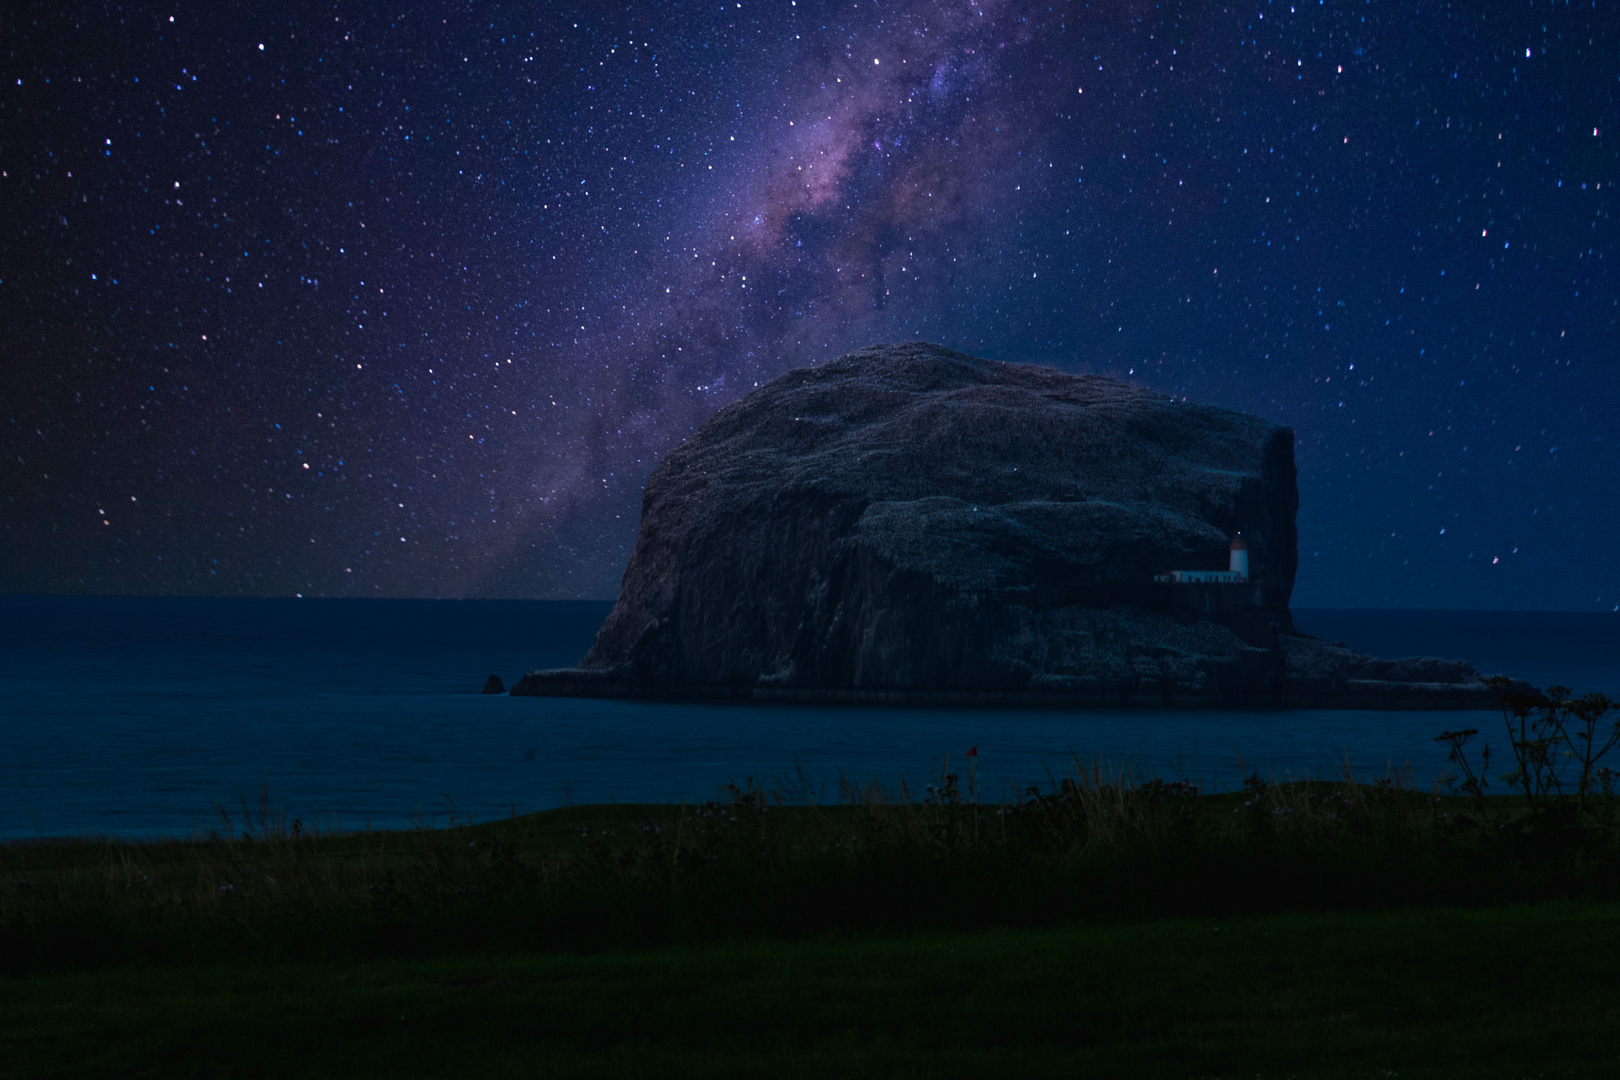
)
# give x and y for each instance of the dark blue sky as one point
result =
(377, 301)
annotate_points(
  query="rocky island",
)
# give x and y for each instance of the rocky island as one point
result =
(912, 525)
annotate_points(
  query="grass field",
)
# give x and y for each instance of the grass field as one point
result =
(1515, 992)
(1103, 927)
(588, 879)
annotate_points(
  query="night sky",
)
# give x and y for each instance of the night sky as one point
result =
(407, 300)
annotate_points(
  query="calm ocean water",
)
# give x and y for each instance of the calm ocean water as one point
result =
(141, 716)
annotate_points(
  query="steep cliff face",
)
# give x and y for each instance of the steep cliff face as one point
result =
(911, 523)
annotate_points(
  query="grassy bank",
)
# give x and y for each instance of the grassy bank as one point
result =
(1101, 925)
(1093, 848)
(1514, 992)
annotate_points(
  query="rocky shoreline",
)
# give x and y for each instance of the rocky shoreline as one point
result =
(1372, 695)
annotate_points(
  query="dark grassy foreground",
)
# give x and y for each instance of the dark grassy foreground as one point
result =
(1517, 992)
(1104, 925)
(611, 877)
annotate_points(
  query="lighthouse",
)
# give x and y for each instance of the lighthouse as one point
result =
(1237, 572)
(1223, 597)
(1239, 565)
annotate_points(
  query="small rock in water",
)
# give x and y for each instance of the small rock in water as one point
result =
(493, 685)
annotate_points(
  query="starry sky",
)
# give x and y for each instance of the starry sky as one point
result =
(407, 300)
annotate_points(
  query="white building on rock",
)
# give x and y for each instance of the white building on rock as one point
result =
(1237, 574)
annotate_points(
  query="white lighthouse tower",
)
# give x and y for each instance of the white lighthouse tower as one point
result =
(1240, 558)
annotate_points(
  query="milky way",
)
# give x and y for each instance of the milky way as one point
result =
(355, 300)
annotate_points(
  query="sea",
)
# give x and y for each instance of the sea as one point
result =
(155, 717)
